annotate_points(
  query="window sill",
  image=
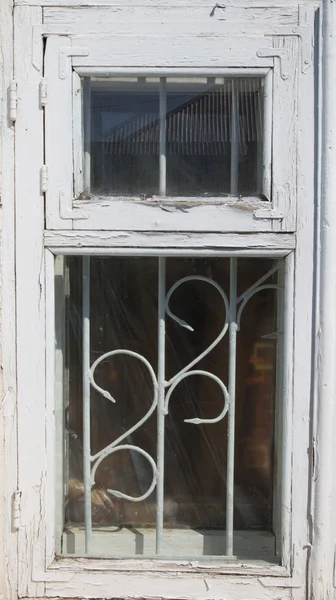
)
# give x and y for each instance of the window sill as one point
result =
(183, 544)
(173, 202)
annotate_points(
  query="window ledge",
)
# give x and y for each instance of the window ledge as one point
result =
(182, 544)
(175, 202)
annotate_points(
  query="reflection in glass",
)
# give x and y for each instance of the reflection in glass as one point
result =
(124, 315)
(208, 129)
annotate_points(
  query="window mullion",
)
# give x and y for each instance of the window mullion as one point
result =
(234, 140)
(231, 413)
(267, 136)
(86, 402)
(87, 134)
(163, 148)
(161, 402)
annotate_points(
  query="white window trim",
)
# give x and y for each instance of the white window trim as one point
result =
(8, 382)
(93, 55)
(71, 577)
(55, 447)
(36, 578)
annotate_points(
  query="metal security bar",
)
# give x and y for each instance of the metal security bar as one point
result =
(233, 307)
(163, 161)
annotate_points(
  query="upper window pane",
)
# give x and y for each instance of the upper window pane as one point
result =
(174, 136)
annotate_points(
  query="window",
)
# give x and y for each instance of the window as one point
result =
(168, 228)
(166, 451)
(195, 137)
(153, 466)
(177, 143)
(169, 149)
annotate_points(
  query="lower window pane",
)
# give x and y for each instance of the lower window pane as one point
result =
(148, 392)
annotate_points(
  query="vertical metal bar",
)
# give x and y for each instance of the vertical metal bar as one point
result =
(161, 397)
(163, 112)
(87, 134)
(231, 415)
(267, 136)
(259, 135)
(86, 400)
(234, 141)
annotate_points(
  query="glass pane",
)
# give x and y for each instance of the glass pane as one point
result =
(194, 137)
(125, 296)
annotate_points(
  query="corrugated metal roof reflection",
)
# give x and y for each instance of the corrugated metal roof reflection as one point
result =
(199, 127)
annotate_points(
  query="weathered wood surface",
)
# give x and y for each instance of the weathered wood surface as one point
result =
(58, 133)
(175, 20)
(211, 4)
(164, 216)
(80, 578)
(172, 50)
(8, 431)
(324, 489)
(268, 242)
(30, 308)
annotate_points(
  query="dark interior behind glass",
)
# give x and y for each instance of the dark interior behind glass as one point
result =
(124, 314)
(199, 136)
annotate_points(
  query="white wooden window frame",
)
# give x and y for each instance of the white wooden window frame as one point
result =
(133, 213)
(71, 572)
(91, 52)
(56, 348)
(41, 575)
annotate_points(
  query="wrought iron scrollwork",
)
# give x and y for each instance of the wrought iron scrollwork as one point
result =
(115, 446)
(188, 371)
(233, 313)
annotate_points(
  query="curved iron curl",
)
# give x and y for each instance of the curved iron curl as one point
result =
(197, 421)
(113, 447)
(267, 286)
(118, 494)
(184, 324)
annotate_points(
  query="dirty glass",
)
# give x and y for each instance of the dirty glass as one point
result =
(125, 299)
(174, 136)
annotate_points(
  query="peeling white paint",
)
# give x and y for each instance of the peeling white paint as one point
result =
(8, 441)
(184, 35)
(324, 522)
